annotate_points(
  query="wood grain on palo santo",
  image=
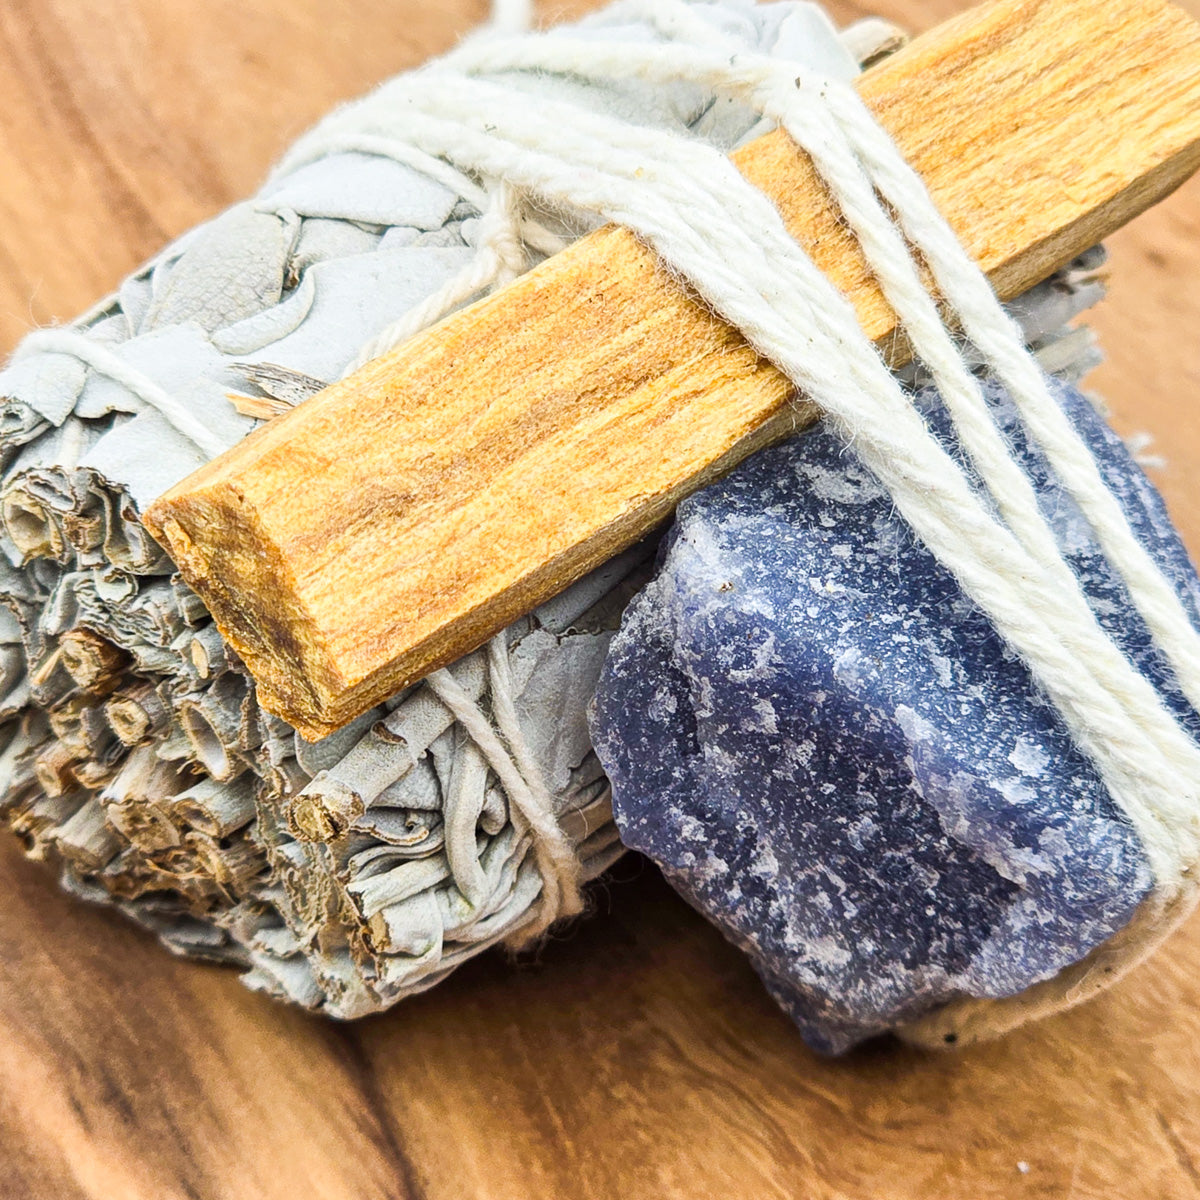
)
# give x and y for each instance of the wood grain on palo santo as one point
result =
(399, 518)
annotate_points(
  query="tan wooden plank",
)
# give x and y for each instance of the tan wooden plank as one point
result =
(399, 518)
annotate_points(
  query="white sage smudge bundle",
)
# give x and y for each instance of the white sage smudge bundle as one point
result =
(345, 874)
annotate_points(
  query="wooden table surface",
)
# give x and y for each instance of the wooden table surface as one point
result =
(638, 1056)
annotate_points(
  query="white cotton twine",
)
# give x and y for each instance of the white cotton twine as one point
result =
(458, 119)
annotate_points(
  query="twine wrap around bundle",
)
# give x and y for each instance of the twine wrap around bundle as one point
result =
(344, 874)
(334, 921)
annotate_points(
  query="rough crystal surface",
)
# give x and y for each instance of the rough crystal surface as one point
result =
(831, 754)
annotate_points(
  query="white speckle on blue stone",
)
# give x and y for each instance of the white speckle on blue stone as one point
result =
(823, 743)
(1028, 757)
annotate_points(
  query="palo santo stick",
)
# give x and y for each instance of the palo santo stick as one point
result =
(397, 519)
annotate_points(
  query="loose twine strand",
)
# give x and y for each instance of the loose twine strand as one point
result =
(531, 803)
(103, 361)
(506, 148)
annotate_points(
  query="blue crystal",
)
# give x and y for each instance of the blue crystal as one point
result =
(830, 753)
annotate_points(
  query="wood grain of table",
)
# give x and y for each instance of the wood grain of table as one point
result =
(637, 1055)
